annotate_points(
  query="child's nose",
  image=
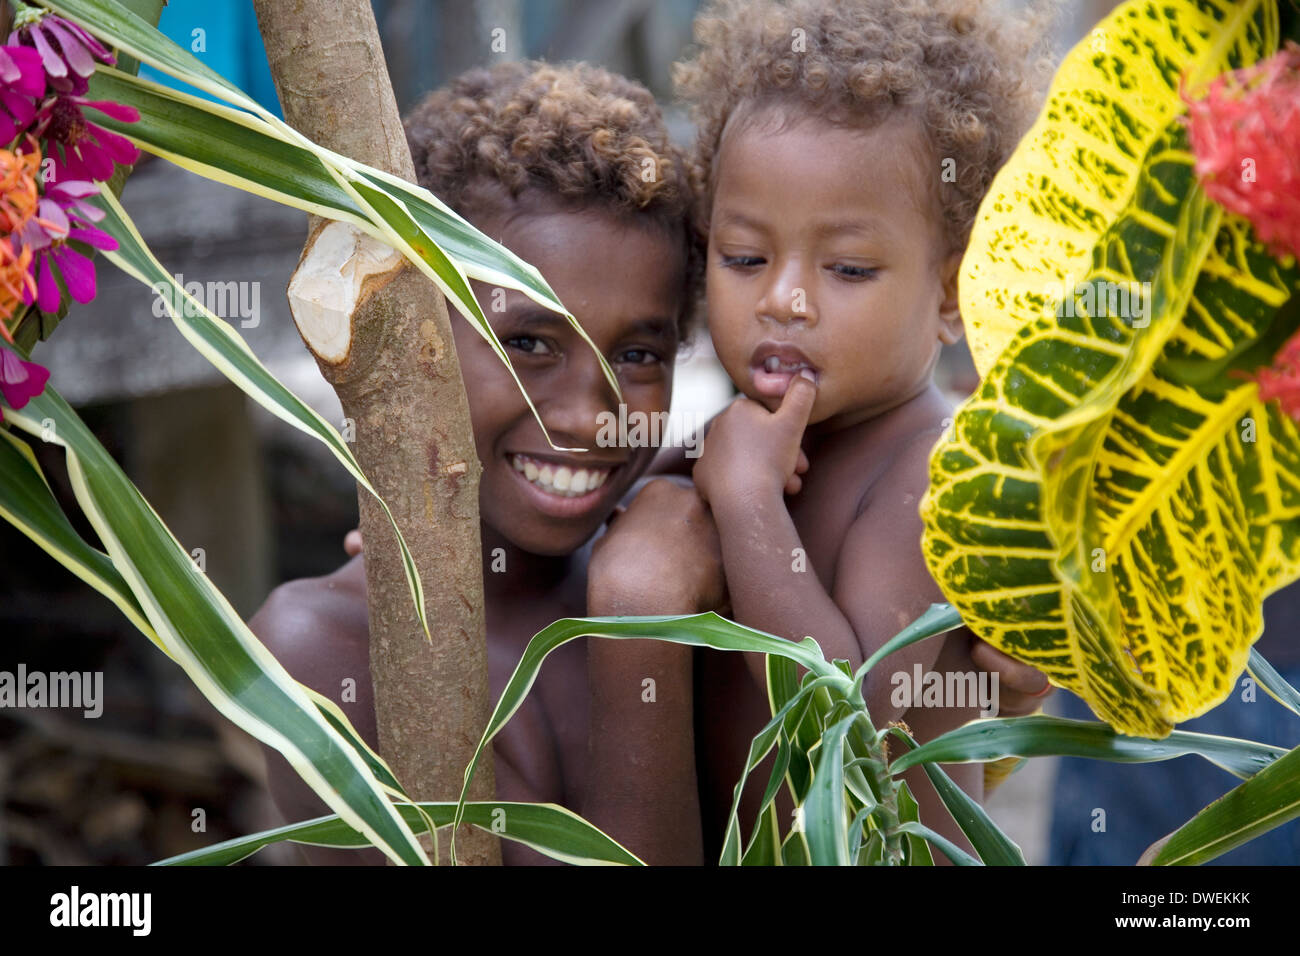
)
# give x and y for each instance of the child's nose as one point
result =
(572, 409)
(788, 297)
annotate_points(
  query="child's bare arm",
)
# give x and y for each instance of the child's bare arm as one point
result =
(659, 557)
(750, 459)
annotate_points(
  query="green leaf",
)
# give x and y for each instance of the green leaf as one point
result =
(1267, 800)
(921, 834)
(204, 635)
(221, 345)
(547, 828)
(1044, 736)
(825, 817)
(699, 630)
(27, 503)
(994, 847)
(938, 619)
(239, 150)
(1092, 513)
(765, 847)
(909, 811)
(1273, 682)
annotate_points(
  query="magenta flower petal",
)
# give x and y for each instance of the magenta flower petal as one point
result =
(120, 148)
(119, 111)
(21, 69)
(85, 211)
(74, 51)
(20, 381)
(53, 213)
(93, 237)
(68, 189)
(89, 40)
(89, 161)
(52, 62)
(22, 109)
(78, 273)
(47, 287)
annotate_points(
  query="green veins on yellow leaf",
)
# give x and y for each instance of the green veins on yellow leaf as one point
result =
(1113, 504)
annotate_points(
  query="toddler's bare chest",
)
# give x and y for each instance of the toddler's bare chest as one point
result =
(827, 506)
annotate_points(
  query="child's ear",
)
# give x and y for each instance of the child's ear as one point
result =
(950, 324)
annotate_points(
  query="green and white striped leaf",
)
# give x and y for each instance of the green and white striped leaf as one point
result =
(994, 847)
(1267, 800)
(221, 345)
(909, 811)
(547, 828)
(202, 633)
(27, 503)
(1273, 682)
(825, 815)
(699, 630)
(1112, 505)
(919, 833)
(1044, 736)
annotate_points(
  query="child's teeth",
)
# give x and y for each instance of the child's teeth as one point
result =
(560, 480)
(773, 364)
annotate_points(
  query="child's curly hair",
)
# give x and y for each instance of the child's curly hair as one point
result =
(575, 133)
(971, 76)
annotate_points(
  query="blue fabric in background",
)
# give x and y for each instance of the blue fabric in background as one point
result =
(232, 46)
(1144, 802)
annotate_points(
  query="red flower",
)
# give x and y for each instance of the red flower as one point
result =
(1245, 133)
(1282, 379)
(20, 381)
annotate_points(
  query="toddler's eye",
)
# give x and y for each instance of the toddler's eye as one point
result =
(853, 272)
(529, 344)
(740, 262)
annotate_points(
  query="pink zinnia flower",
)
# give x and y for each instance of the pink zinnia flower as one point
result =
(80, 148)
(1245, 133)
(20, 381)
(63, 214)
(22, 81)
(67, 51)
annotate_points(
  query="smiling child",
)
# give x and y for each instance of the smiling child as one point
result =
(843, 151)
(551, 161)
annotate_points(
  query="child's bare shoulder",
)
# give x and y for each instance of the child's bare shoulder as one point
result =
(318, 627)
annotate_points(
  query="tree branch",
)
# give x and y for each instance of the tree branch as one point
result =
(380, 333)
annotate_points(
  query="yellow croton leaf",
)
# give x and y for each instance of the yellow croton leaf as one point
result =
(1114, 502)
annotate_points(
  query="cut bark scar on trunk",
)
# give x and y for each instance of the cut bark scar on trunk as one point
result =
(340, 266)
(381, 335)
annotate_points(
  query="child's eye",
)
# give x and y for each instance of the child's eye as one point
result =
(854, 272)
(638, 357)
(740, 262)
(529, 344)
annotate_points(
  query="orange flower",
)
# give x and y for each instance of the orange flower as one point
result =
(18, 200)
(18, 192)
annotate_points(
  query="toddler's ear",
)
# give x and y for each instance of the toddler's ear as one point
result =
(950, 325)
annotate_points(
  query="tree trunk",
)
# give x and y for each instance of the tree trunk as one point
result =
(380, 333)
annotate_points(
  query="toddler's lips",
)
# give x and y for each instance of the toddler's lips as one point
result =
(773, 367)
